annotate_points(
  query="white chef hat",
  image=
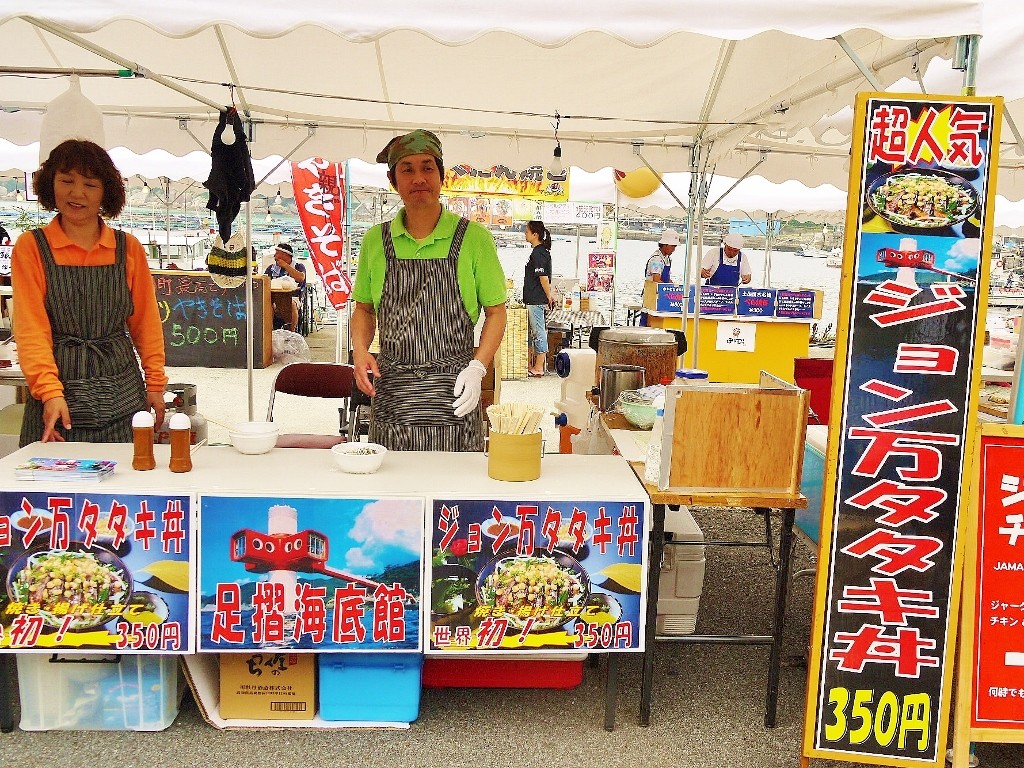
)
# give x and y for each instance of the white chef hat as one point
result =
(669, 237)
(734, 240)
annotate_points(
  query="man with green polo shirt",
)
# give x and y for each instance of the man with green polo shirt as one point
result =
(423, 279)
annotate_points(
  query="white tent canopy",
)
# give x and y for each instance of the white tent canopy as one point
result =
(745, 75)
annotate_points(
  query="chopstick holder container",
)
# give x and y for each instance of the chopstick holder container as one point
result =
(514, 457)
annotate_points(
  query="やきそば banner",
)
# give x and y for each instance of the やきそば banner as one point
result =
(319, 187)
(537, 576)
(921, 202)
(100, 572)
(309, 574)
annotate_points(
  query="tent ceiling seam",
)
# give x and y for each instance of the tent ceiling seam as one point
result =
(230, 64)
(383, 79)
(725, 53)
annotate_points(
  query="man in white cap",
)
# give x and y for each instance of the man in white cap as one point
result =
(727, 267)
(659, 266)
(285, 266)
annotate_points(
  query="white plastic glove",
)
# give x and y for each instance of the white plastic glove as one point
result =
(467, 387)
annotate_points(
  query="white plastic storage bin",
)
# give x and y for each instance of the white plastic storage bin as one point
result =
(65, 692)
(682, 575)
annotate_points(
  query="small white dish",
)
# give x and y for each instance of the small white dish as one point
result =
(254, 437)
(358, 458)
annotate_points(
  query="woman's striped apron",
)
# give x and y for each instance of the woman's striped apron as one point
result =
(88, 309)
(426, 339)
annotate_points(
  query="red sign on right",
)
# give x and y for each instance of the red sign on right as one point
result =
(999, 617)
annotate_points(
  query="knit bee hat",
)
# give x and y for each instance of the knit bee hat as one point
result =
(227, 261)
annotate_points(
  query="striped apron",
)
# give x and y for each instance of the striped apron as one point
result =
(426, 339)
(88, 309)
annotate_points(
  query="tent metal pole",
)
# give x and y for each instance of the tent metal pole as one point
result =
(250, 334)
(690, 208)
(911, 50)
(183, 126)
(661, 179)
(702, 197)
(67, 71)
(229, 62)
(1008, 121)
(971, 65)
(339, 348)
(81, 42)
(865, 70)
(312, 132)
(764, 156)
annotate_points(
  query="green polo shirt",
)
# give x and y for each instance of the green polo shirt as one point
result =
(481, 278)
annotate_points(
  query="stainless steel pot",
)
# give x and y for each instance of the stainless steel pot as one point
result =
(615, 379)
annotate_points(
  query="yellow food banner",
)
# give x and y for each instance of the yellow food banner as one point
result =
(536, 182)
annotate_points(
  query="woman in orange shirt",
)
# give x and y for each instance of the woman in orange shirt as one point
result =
(85, 304)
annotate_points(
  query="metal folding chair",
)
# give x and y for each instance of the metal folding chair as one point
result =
(324, 380)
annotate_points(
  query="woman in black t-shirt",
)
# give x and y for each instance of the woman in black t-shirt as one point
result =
(537, 294)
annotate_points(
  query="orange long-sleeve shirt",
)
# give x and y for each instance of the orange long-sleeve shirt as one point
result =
(32, 330)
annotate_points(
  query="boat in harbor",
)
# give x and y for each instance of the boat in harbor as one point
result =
(812, 252)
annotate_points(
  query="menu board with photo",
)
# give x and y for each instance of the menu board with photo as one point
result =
(920, 218)
(536, 576)
(96, 572)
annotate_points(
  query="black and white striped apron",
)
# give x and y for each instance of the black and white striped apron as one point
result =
(88, 309)
(426, 339)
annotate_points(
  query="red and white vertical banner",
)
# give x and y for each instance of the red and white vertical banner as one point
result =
(319, 187)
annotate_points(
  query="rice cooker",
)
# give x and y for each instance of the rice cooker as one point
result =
(654, 349)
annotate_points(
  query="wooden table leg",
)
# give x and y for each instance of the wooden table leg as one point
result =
(779, 620)
(650, 625)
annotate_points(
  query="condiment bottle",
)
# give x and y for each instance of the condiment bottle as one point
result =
(142, 432)
(181, 437)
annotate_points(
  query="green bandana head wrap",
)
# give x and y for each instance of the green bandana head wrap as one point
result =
(418, 142)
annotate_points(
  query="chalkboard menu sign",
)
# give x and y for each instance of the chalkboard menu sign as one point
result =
(755, 302)
(715, 299)
(204, 324)
(797, 305)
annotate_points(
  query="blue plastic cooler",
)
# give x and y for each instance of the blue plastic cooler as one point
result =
(374, 687)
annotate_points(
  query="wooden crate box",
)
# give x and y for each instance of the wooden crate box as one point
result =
(740, 437)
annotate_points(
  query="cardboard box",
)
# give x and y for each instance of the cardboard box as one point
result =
(267, 686)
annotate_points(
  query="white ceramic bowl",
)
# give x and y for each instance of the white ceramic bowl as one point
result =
(252, 437)
(358, 458)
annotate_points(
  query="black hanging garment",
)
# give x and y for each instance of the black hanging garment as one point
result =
(231, 178)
